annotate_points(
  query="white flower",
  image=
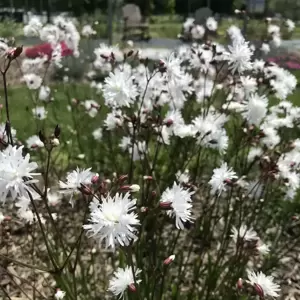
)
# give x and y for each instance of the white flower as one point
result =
(34, 141)
(256, 109)
(249, 84)
(262, 248)
(91, 107)
(59, 295)
(53, 198)
(119, 89)
(75, 180)
(197, 32)
(211, 24)
(40, 112)
(183, 177)
(173, 69)
(3, 133)
(240, 56)
(122, 279)
(44, 93)
(220, 178)
(87, 31)
(13, 168)
(290, 25)
(265, 48)
(276, 41)
(273, 29)
(113, 120)
(33, 81)
(2, 217)
(180, 201)
(97, 134)
(113, 220)
(244, 233)
(266, 284)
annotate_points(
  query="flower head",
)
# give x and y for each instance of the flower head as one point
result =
(220, 178)
(122, 279)
(113, 220)
(75, 180)
(243, 233)
(13, 169)
(180, 201)
(263, 284)
(240, 56)
(119, 89)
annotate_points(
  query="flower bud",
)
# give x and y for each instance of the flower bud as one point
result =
(144, 209)
(165, 204)
(239, 284)
(153, 194)
(148, 178)
(169, 122)
(95, 179)
(122, 178)
(85, 190)
(55, 142)
(259, 290)
(132, 188)
(169, 260)
(132, 287)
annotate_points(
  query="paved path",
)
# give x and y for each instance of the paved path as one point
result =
(154, 43)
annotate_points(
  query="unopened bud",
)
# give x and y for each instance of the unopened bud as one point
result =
(295, 218)
(170, 259)
(129, 53)
(74, 101)
(104, 56)
(169, 122)
(95, 179)
(153, 194)
(122, 178)
(55, 142)
(85, 190)
(57, 131)
(148, 178)
(165, 204)
(239, 283)
(15, 52)
(132, 188)
(132, 287)
(259, 290)
(144, 209)
(34, 146)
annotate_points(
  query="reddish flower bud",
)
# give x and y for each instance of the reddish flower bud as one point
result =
(295, 218)
(144, 209)
(95, 179)
(132, 287)
(85, 190)
(34, 146)
(169, 122)
(7, 218)
(148, 178)
(153, 194)
(239, 283)
(122, 178)
(131, 188)
(170, 259)
(15, 52)
(165, 205)
(259, 290)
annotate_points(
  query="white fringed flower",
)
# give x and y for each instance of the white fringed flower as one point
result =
(123, 279)
(113, 220)
(220, 178)
(13, 168)
(75, 180)
(240, 56)
(244, 233)
(264, 285)
(180, 201)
